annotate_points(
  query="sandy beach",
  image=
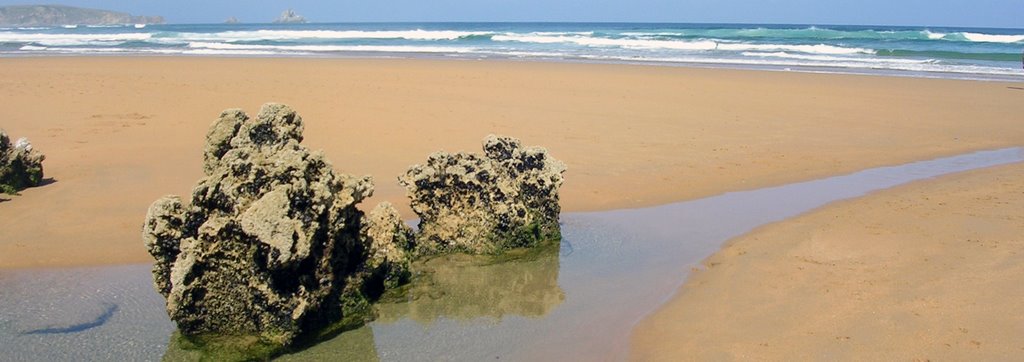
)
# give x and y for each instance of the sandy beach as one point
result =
(925, 271)
(120, 132)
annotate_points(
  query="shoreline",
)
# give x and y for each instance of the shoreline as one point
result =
(918, 51)
(893, 280)
(386, 56)
(120, 132)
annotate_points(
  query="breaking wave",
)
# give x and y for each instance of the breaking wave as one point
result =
(951, 50)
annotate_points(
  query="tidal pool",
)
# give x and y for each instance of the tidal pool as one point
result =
(575, 300)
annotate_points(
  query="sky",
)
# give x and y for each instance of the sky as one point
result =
(968, 13)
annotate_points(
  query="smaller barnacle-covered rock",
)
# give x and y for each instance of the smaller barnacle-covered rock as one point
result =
(21, 166)
(483, 204)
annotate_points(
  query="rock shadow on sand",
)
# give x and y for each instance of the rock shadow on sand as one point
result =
(43, 183)
(47, 181)
(108, 312)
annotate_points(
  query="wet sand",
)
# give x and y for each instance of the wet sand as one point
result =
(120, 132)
(926, 271)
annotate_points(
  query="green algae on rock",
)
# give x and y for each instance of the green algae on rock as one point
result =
(486, 204)
(21, 166)
(271, 249)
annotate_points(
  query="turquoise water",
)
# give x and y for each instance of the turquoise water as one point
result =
(917, 51)
(576, 301)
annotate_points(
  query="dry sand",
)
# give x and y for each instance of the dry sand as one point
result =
(119, 132)
(932, 270)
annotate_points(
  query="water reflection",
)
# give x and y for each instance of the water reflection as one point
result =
(461, 287)
(466, 287)
(354, 345)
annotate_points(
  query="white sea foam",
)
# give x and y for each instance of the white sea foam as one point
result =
(809, 34)
(993, 38)
(32, 48)
(810, 49)
(75, 43)
(827, 58)
(933, 35)
(929, 67)
(332, 48)
(555, 33)
(87, 50)
(697, 45)
(976, 37)
(606, 42)
(523, 54)
(648, 35)
(254, 35)
(83, 38)
(95, 50)
(231, 52)
(534, 38)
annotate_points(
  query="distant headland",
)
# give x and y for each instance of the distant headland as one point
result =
(52, 15)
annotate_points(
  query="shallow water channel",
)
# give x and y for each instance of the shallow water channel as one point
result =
(576, 300)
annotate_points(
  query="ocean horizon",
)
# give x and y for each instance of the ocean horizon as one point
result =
(944, 52)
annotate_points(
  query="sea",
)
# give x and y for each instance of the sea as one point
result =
(943, 52)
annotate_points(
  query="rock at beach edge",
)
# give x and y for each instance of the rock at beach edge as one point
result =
(21, 166)
(484, 204)
(271, 245)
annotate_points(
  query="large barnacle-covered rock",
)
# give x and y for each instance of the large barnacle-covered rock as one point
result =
(271, 243)
(484, 204)
(21, 166)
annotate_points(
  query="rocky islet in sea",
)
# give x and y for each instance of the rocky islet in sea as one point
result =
(290, 17)
(21, 166)
(271, 247)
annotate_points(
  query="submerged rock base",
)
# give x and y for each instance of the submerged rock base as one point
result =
(21, 166)
(462, 287)
(271, 246)
(484, 204)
